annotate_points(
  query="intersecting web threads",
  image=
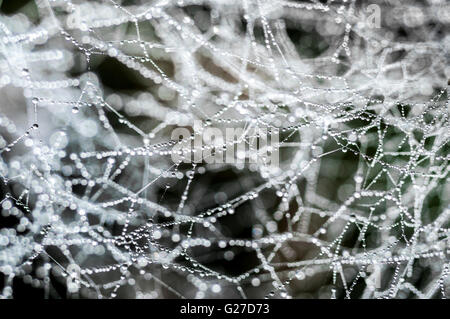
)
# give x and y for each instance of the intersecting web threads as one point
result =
(93, 206)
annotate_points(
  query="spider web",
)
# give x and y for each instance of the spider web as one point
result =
(91, 200)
